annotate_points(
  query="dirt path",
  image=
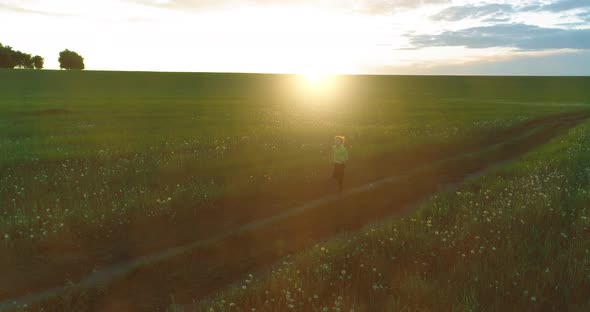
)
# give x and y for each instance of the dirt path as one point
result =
(196, 269)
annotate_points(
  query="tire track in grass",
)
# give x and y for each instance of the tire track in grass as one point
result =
(522, 138)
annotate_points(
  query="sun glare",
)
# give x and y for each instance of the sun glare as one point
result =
(318, 87)
(313, 78)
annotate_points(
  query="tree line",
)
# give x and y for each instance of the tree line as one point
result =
(10, 58)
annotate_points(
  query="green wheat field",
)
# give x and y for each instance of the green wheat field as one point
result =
(491, 212)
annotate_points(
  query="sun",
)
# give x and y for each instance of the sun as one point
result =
(317, 82)
(314, 78)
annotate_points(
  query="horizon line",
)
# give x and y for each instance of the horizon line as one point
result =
(285, 73)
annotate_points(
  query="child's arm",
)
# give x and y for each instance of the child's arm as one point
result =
(332, 154)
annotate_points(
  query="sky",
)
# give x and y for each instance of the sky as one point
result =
(485, 37)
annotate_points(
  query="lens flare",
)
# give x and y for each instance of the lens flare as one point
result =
(314, 78)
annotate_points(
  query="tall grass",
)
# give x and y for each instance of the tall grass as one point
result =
(91, 152)
(516, 239)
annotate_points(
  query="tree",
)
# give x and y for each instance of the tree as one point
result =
(10, 58)
(22, 60)
(6, 53)
(38, 62)
(70, 60)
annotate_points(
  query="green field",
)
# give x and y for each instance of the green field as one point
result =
(103, 166)
(517, 239)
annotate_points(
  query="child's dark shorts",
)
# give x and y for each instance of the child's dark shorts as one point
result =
(338, 172)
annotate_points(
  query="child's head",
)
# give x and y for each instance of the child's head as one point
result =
(339, 140)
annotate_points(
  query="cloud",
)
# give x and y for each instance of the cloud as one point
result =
(456, 13)
(496, 20)
(519, 36)
(565, 5)
(552, 64)
(496, 10)
(18, 9)
(585, 16)
(374, 7)
(497, 62)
